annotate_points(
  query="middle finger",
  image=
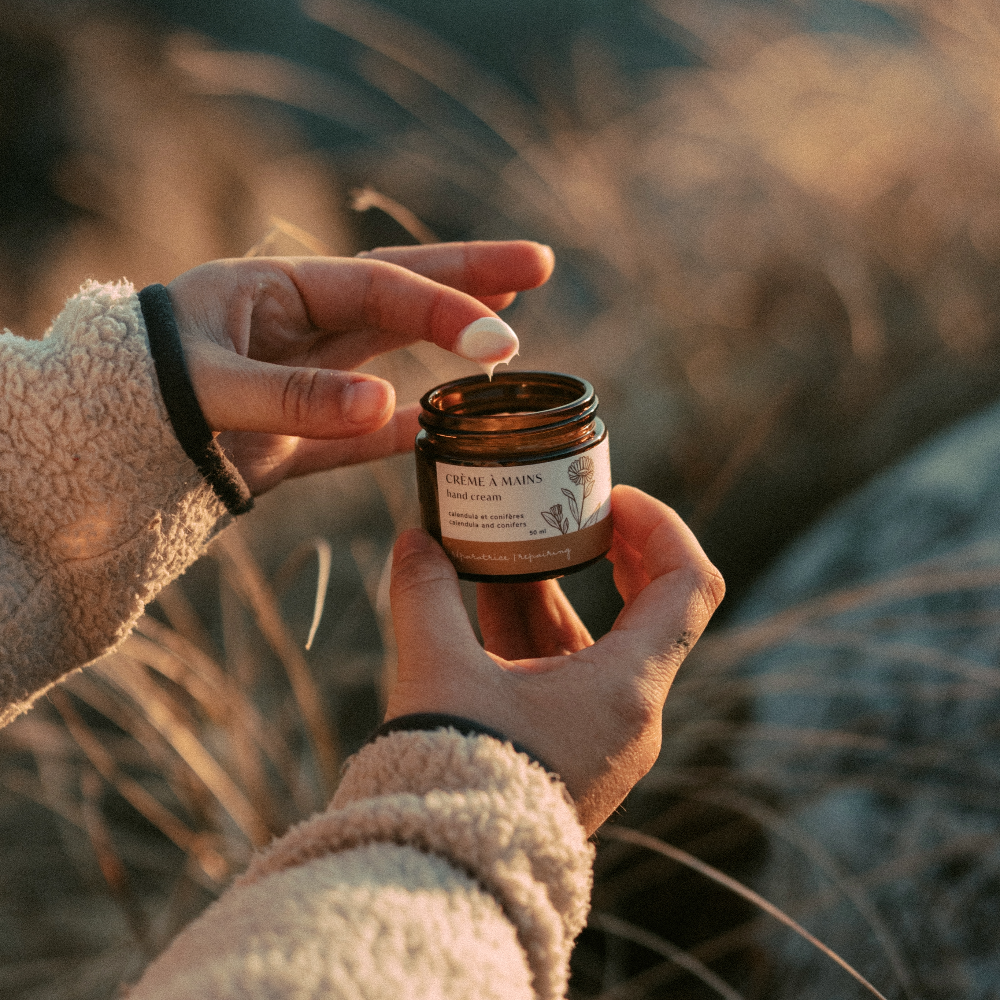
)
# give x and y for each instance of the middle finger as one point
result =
(523, 621)
(357, 309)
(480, 268)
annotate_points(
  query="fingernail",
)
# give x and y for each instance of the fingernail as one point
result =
(489, 341)
(365, 401)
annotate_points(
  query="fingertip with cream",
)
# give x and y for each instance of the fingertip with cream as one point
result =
(489, 342)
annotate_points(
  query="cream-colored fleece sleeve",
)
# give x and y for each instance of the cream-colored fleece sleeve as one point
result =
(447, 866)
(99, 505)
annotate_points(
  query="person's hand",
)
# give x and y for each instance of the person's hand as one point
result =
(590, 710)
(270, 344)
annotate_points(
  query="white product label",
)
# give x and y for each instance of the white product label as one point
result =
(510, 519)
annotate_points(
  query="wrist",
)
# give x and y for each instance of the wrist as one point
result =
(431, 721)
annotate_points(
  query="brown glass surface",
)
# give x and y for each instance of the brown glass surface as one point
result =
(518, 418)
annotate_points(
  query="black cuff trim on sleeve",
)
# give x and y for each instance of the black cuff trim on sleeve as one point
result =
(426, 721)
(183, 409)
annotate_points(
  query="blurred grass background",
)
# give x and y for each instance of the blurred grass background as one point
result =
(777, 227)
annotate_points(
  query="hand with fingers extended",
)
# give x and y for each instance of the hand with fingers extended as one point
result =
(590, 710)
(270, 344)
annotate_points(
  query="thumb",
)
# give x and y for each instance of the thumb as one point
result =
(434, 637)
(241, 394)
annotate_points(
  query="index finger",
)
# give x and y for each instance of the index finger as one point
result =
(373, 306)
(479, 268)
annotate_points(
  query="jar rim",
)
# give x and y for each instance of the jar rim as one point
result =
(507, 402)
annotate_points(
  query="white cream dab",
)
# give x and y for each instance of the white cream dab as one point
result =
(489, 342)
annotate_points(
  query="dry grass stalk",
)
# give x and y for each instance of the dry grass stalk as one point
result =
(622, 928)
(245, 576)
(689, 861)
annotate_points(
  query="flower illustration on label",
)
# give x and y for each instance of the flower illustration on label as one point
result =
(581, 473)
(554, 517)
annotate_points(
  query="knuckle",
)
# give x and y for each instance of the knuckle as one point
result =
(299, 395)
(710, 586)
(375, 291)
(438, 311)
(416, 572)
(636, 708)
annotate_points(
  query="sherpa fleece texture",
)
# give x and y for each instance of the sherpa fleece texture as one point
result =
(447, 865)
(99, 505)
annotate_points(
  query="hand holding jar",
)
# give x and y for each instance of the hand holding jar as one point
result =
(591, 711)
(270, 344)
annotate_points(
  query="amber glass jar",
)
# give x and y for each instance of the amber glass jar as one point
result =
(514, 475)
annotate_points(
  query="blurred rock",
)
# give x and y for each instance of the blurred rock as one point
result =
(873, 728)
